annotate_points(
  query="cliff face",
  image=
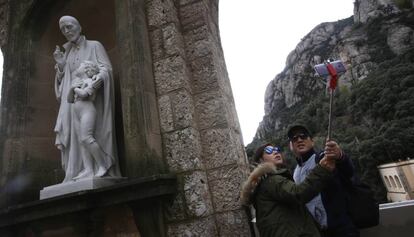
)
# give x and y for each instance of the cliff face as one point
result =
(379, 38)
(345, 40)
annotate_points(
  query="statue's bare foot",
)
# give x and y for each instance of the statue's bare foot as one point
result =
(83, 174)
(101, 172)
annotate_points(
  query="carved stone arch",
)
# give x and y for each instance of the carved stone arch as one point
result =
(97, 19)
(29, 107)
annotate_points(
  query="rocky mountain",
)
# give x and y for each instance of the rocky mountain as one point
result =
(374, 102)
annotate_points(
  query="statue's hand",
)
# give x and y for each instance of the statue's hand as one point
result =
(97, 81)
(76, 84)
(59, 57)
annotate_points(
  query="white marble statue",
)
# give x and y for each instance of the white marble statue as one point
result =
(85, 132)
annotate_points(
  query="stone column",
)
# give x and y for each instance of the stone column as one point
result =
(199, 125)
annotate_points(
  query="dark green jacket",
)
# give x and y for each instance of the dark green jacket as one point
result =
(280, 203)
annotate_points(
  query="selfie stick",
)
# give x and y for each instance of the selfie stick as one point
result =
(333, 81)
(330, 114)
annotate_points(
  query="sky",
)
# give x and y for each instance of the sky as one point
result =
(257, 37)
(256, 40)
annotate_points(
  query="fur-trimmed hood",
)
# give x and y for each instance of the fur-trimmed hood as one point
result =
(260, 172)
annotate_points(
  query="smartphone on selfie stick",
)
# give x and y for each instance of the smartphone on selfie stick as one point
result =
(331, 70)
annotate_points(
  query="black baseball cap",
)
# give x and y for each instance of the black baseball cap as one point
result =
(298, 129)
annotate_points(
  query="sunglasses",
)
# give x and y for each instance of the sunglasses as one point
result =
(302, 136)
(269, 150)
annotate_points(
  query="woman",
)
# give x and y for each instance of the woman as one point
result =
(279, 202)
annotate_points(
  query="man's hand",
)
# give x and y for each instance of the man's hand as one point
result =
(59, 57)
(327, 163)
(332, 150)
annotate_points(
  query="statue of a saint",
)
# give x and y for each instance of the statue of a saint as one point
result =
(85, 131)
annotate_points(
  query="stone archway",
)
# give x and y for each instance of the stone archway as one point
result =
(30, 107)
(41, 107)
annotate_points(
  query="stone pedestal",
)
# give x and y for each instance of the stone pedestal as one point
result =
(133, 207)
(79, 185)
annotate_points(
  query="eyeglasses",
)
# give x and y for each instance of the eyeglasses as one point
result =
(302, 136)
(269, 150)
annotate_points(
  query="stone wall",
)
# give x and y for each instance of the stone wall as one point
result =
(199, 125)
(4, 20)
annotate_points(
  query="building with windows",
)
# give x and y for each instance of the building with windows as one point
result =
(398, 178)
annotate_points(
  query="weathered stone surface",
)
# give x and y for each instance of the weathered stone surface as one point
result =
(13, 155)
(177, 210)
(233, 223)
(4, 19)
(197, 194)
(224, 82)
(185, 2)
(197, 228)
(170, 74)
(204, 73)
(229, 106)
(173, 40)
(199, 48)
(193, 15)
(219, 148)
(400, 39)
(197, 34)
(157, 44)
(160, 12)
(182, 150)
(39, 125)
(166, 113)
(183, 107)
(209, 107)
(225, 185)
(40, 98)
(166, 41)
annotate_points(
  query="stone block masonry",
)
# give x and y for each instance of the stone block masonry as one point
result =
(201, 135)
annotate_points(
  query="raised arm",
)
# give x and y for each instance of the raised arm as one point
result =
(344, 164)
(285, 190)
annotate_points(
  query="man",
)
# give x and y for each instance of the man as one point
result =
(329, 207)
(76, 158)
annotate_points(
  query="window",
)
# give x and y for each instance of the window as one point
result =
(387, 182)
(393, 182)
(398, 181)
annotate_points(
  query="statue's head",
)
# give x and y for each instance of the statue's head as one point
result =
(90, 68)
(70, 28)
